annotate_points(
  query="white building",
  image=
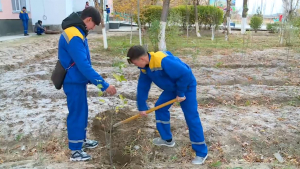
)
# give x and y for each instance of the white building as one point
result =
(52, 12)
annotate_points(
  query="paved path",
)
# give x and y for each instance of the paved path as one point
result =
(13, 37)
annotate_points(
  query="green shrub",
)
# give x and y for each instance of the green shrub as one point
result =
(273, 27)
(152, 13)
(256, 22)
(184, 12)
(149, 14)
(296, 22)
(153, 33)
(207, 15)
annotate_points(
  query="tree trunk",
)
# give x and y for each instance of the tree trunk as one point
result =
(196, 18)
(213, 32)
(163, 23)
(187, 18)
(285, 15)
(228, 19)
(140, 26)
(244, 16)
(101, 11)
(131, 27)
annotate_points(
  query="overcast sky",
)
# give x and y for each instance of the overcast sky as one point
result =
(268, 6)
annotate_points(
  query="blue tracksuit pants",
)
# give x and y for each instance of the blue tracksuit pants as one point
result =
(78, 114)
(25, 26)
(189, 108)
(39, 31)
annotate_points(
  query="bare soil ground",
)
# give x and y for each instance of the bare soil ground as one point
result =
(248, 104)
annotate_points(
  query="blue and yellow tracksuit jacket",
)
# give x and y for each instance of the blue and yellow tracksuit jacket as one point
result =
(73, 47)
(23, 16)
(175, 78)
(168, 72)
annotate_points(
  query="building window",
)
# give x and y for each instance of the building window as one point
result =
(0, 6)
(17, 5)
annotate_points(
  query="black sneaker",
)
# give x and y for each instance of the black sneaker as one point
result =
(90, 144)
(80, 155)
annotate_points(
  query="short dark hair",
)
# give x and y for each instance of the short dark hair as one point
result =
(106, 5)
(87, 2)
(93, 13)
(135, 52)
(24, 7)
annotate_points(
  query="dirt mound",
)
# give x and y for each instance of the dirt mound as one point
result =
(126, 140)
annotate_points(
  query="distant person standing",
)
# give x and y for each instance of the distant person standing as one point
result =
(87, 4)
(108, 12)
(24, 17)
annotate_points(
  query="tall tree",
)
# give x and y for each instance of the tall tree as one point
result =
(289, 9)
(163, 23)
(131, 18)
(101, 11)
(139, 21)
(130, 7)
(187, 16)
(228, 19)
(244, 16)
(196, 18)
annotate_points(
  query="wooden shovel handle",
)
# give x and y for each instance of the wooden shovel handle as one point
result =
(147, 112)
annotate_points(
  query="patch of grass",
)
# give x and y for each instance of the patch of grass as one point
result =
(174, 158)
(248, 103)
(19, 137)
(216, 164)
(219, 64)
(118, 45)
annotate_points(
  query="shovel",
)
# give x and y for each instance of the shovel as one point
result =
(147, 112)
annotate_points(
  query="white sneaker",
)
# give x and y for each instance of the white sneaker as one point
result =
(80, 155)
(199, 160)
(89, 144)
(160, 142)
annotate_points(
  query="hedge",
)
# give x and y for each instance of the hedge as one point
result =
(207, 15)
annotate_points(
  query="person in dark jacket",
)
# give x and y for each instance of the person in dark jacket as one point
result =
(176, 80)
(38, 28)
(73, 52)
(24, 17)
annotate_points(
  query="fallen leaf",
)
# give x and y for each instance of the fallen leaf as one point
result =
(278, 157)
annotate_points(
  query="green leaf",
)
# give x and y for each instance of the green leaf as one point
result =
(101, 100)
(121, 97)
(123, 78)
(100, 93)
(99, 86)
(117, 77)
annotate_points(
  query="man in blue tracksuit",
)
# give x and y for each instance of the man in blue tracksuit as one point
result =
(73, 53)
(107, 13)
(176, 80)
(24, 17)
